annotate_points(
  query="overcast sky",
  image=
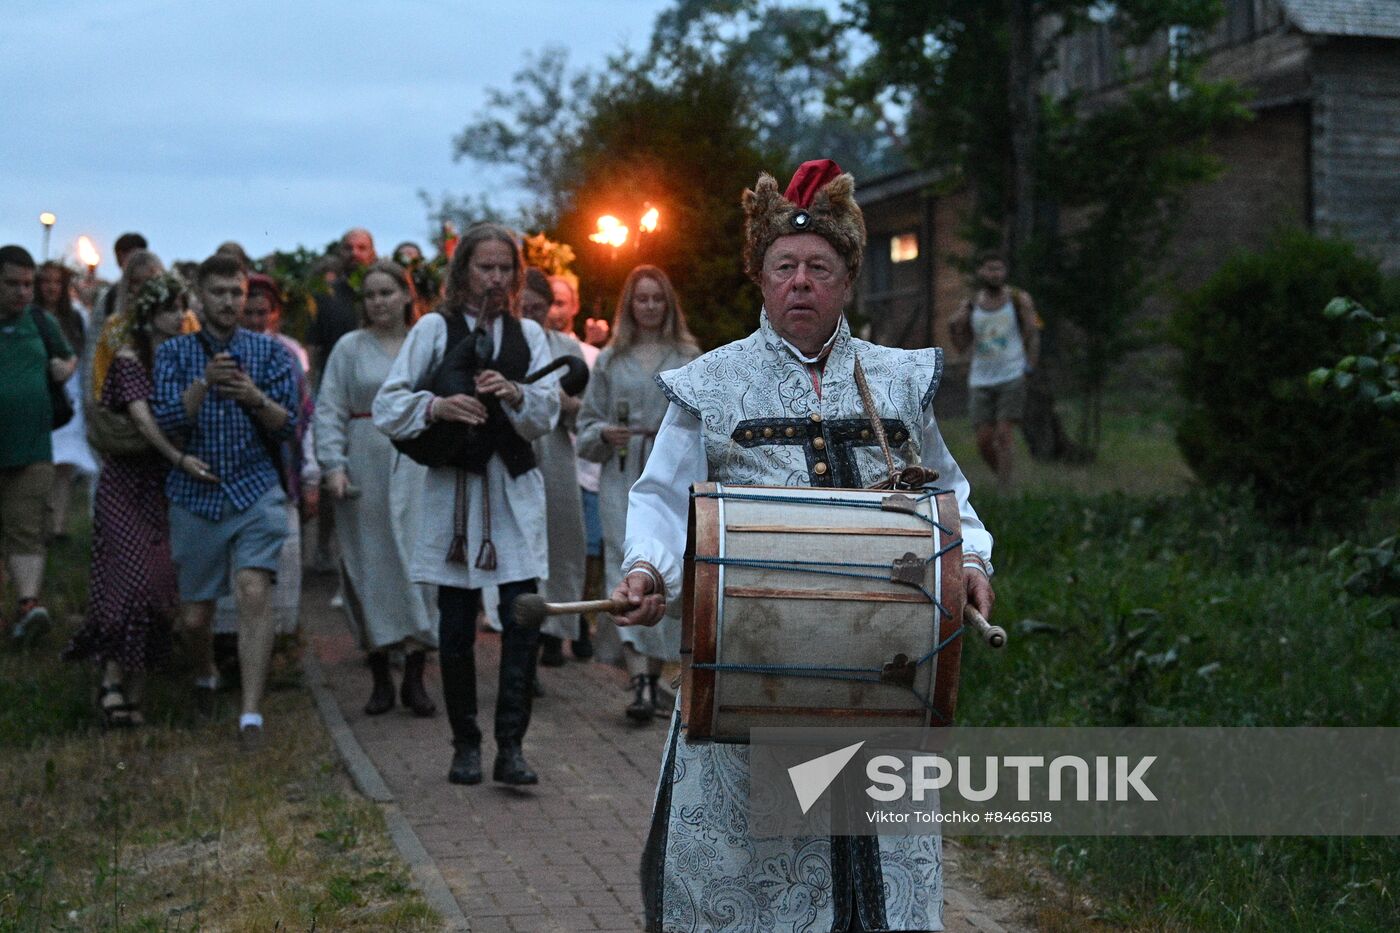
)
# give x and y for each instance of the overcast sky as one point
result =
(271, 123)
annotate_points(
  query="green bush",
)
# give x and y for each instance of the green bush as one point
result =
(1250, 337)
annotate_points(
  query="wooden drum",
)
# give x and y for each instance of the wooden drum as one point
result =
(819, 607)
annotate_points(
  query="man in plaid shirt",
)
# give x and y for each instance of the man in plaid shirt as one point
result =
(230, 396)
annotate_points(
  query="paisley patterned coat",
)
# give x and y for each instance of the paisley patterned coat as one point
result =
(751, 413)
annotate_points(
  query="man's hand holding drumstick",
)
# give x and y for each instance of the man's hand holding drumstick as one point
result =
(640, 589)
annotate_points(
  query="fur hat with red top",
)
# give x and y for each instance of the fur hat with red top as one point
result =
(820, 199)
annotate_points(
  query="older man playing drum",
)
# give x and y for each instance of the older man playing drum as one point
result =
(778, 409)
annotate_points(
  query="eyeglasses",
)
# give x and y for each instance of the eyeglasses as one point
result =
(818, 270)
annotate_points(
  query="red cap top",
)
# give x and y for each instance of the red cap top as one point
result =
(809, 179)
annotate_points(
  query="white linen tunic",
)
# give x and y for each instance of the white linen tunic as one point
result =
(377, 530)
(567, 544)
(517, 504)
(703, 870)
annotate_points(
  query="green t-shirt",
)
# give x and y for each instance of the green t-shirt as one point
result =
(25, 412)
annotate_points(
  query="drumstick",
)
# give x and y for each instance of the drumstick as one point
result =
(531, 609)
(993, 635)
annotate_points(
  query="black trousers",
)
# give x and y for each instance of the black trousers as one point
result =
(457, 610)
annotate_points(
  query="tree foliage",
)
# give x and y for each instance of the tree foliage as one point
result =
(1093, 182)
(1370, 376)
(675, 133)
(725, 89)
(1118, 177)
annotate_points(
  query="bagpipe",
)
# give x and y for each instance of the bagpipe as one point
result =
(451, 443)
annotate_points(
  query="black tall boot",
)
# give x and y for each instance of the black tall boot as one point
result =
(459, 696)
(412, 693)
(659, 707)
(514, 703)
(551, 651)
(381, 698)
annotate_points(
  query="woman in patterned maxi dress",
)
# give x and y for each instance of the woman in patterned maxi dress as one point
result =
(133, 594)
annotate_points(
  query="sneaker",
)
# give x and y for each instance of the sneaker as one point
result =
(250, 739)
(206, 697)
(31, 624)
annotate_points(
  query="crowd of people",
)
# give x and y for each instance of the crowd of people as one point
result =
(459, 463)
(211, 437)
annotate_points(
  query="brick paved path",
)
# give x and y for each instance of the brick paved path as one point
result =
(560, 857)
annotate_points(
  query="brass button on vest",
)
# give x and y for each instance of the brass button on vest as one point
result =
(819, 443)
(819, 469)
(748, 435)
(789, 431)
(816, 418)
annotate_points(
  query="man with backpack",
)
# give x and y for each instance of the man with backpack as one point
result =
(37, 359)
(1001, 328)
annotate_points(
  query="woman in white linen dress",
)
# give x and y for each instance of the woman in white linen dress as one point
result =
(622, 411)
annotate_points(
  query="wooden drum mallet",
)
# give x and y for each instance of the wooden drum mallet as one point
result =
(531, 609)
(993, 635)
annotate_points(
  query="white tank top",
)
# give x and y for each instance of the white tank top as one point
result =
(998, 353)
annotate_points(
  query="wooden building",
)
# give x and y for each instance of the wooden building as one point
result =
(1323, 152)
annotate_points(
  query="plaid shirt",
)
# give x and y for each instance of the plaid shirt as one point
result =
(223, 434)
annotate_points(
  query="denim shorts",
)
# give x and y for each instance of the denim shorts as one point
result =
(208, 553)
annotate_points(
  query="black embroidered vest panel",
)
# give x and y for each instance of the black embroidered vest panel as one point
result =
(497, 436)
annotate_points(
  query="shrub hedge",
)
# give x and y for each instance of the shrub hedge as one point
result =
(1249, 337)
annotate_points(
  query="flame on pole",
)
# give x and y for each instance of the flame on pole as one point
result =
(649, 220)
(88, 254)
(611, 232)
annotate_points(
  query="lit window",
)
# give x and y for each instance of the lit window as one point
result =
(904, 247)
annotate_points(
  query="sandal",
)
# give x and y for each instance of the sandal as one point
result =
(119, 714)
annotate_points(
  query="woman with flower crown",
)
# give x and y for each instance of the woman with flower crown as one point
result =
(133, 595)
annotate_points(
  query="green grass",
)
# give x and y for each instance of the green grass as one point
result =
(171, 827)
(1159, 604)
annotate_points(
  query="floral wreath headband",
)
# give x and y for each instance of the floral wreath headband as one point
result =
(161, 291)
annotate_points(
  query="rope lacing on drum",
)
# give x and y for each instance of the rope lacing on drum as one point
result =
(871, 504)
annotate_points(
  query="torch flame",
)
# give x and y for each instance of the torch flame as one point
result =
(649, 220)
(88, 253)
(611, 232)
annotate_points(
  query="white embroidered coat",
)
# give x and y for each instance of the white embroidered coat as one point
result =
(703, 872)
